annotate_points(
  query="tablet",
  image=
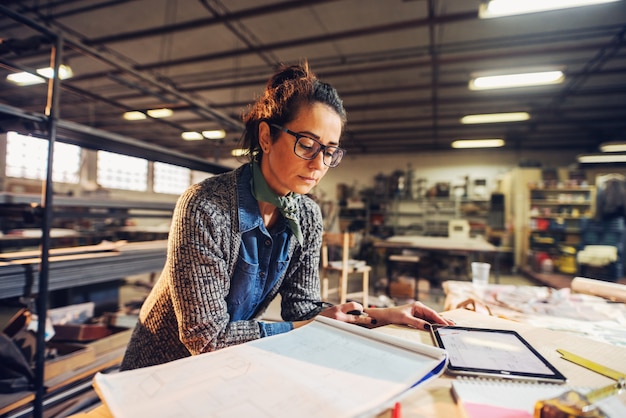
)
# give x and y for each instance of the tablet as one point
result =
(493, 353)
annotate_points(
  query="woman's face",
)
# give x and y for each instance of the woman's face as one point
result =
(283, 170)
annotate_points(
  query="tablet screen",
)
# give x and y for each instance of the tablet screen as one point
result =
(493, 353)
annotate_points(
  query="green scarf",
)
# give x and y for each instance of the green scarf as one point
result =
(287, 205)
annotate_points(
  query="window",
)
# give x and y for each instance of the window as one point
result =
(27, 157)
(117, 171)
(170, 178)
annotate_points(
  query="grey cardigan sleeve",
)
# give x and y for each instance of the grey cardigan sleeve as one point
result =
(203, 248)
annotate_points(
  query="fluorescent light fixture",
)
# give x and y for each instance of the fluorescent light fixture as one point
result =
(478, 143)
(192, 136)
(499, 8)
(495, 118)
(613, 147)
(214, 134)
(153, 113)
(160, 113)
(27, 79)
(65, 72)
(505, 81)
(239, 152)
(601, 158)
(134, 115)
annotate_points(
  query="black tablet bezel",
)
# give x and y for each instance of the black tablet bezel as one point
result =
(554, 377)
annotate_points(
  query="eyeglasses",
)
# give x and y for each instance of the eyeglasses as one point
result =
(308, 148)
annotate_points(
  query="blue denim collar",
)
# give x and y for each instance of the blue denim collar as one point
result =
(249, 214)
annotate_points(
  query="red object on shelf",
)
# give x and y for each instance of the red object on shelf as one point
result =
(543, 224)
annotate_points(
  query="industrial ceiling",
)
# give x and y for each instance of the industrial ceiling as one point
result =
(401, 66)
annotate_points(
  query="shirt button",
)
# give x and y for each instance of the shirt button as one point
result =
(268, 242)
(262, 274)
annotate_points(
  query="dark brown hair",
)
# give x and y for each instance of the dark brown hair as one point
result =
(286, 92)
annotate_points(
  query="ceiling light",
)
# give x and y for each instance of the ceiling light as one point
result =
(495, 118)
(25, 78)
(214, 134)
(65, 72)
(601, 158)
(134, 115)
(160, 113)
(478, 143)
(239, 152)
(516, 80)
(613, 147)
(498, 8)
(192, 136)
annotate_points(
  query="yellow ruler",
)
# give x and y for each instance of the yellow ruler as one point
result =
(593, 366)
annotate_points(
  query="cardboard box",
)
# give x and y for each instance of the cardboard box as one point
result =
(81, 332)
(402, 288)
(100, 338)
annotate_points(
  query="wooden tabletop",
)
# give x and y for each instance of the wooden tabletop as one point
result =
(437, 243)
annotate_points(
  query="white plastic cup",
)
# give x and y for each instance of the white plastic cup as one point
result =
(480, 274)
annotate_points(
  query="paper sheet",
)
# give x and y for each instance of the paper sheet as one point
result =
(316, 371)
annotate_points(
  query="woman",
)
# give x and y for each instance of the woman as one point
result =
(241, 238)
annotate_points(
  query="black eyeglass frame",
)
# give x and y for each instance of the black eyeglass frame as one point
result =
(322, 147)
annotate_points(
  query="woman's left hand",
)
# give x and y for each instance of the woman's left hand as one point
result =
(414, 314)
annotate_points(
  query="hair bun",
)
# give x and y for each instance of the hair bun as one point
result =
(290, 73)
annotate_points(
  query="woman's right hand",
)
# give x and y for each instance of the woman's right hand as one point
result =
(350, 312)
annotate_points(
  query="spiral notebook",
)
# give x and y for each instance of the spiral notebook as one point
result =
(491, 398)
(487, 398)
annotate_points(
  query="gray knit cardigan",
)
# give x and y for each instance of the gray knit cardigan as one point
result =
(185, 313)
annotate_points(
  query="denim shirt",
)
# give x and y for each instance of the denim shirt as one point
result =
(263, 259)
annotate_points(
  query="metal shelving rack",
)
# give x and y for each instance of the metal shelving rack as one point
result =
(556, 217)
(430, 216)
(51, 127)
